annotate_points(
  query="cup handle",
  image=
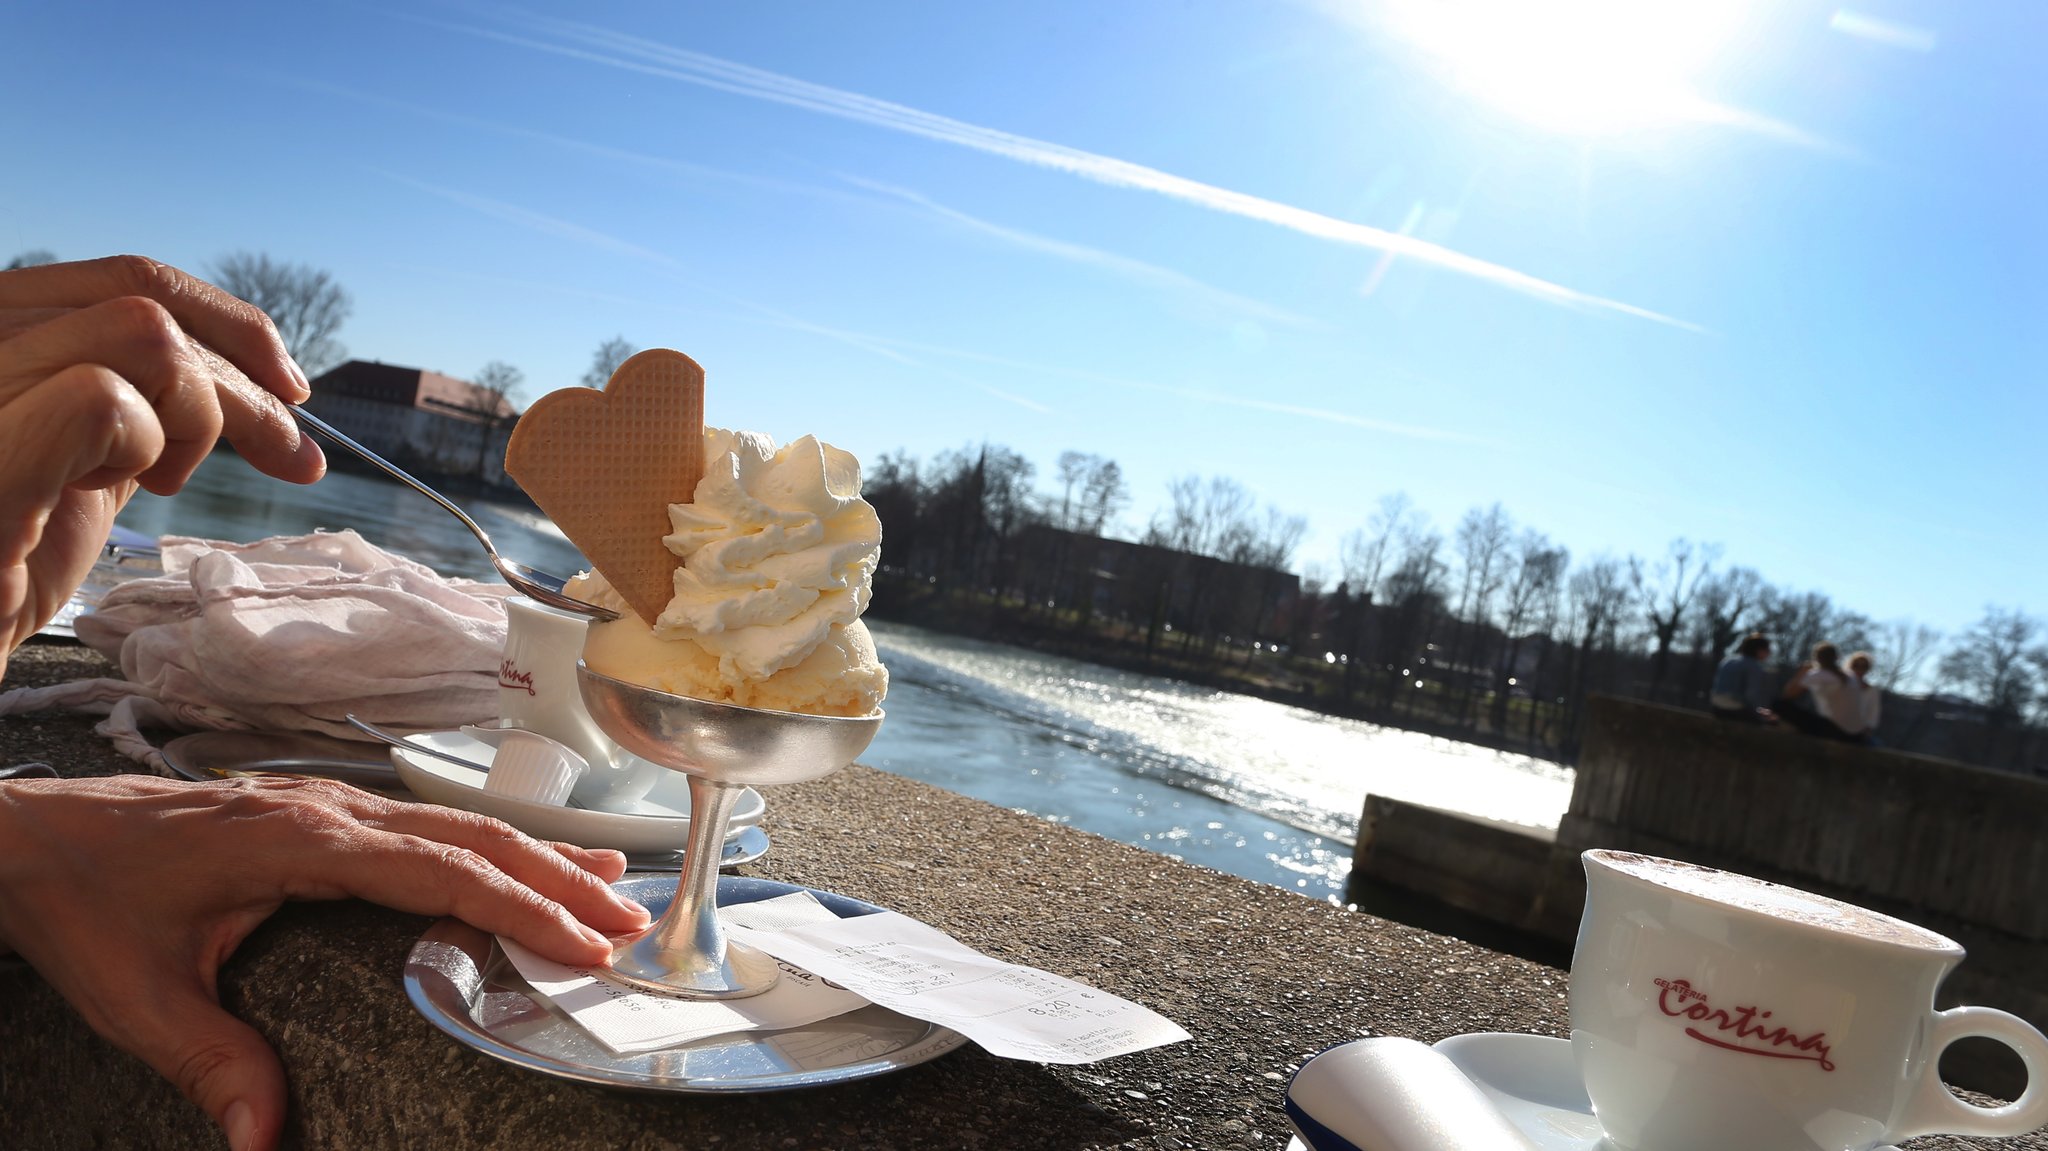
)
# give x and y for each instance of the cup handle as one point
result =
(1934, 1110)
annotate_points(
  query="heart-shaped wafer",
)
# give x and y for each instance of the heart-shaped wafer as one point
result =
(605, 466)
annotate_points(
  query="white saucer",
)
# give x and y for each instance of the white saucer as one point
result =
(1534, 1080)
(660, 823)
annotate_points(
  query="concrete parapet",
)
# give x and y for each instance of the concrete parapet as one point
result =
(1493, 870)
(1906, 831)
(1958, 849)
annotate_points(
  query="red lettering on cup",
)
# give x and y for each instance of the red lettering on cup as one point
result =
(510, 676)
(1741, 1029)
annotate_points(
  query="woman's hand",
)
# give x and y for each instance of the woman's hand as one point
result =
(117, 374)
(128, 893)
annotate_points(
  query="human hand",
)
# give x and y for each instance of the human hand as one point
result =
(117, 374)
(128, 893)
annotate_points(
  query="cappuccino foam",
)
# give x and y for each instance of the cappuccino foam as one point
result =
(1773, 899)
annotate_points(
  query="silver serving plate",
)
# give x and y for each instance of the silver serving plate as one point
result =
(210, 755)
(461, 981)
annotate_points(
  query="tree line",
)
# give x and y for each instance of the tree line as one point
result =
(1486, 630)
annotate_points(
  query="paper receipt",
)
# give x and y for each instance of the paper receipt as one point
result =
(1012, 1011)
(628, 1021)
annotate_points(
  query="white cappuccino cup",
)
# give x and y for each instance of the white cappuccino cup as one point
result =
(1713, 1011)
(537, 692)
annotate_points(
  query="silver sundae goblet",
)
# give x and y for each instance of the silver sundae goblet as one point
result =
(723, 748)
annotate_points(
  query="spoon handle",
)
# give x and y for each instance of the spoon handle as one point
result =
(398, 741)
(394, 471)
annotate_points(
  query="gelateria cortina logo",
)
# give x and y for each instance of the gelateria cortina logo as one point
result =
(510, 676)
(1743, 1029)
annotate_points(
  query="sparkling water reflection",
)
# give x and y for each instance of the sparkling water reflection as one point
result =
(1253, 788)
(1248, 787)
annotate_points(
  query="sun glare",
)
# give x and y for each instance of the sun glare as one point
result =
(1586, 67)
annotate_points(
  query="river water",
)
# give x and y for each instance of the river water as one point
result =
(1257, 789)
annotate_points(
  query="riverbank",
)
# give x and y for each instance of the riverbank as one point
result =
(1314, 685)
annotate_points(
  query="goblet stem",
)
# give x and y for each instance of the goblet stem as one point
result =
(686, 952)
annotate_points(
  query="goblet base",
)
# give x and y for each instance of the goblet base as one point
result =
(643, 964)
(463, 984)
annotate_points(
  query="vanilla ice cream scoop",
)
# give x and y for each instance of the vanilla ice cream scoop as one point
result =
(777, 553)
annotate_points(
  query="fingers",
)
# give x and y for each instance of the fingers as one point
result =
(604, 863)
(141, 343)
(432, 878)
(14, 321)
(216, 1060)
(579, 882)
(86, 426)
(238, 330)
(83, 428)
(433, 861)
(262, 428)
(198, 393)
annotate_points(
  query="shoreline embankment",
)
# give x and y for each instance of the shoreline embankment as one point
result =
(1954, 848)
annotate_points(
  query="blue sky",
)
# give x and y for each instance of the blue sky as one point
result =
(1766, 275)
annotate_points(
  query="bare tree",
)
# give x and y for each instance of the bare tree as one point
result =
(1997, 663)
(1727, 602)
(1797, 621)
(1724, 610)
(1366, 553)
(1901, 649)
(1202, 519)
(1092, 490)
(1482, 539)
(1103, 495)
(1268, 550)
(33, 258)
(606, 360)
(490, 402)
(1071, 469)
(1598, 597)
(1666, 589)
(1415, 598)
(305, 303)
(1538, 572)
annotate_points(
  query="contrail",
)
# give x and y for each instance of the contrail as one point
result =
(636, 54)
(1138, 270)
(539, 222)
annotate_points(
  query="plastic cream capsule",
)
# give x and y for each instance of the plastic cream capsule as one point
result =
(530, 766)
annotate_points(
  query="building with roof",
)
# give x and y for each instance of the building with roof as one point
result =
(423, 421)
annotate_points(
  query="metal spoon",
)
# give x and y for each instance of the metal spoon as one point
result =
(535, 584)
(399, 741)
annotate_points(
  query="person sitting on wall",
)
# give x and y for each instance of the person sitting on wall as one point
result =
(1739, 692)
(1869, 696)
(1837, 710)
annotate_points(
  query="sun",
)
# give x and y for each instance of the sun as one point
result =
(1580, 67)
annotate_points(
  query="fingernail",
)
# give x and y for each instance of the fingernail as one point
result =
(309, 450)
(241, 1126)
(595, 936)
